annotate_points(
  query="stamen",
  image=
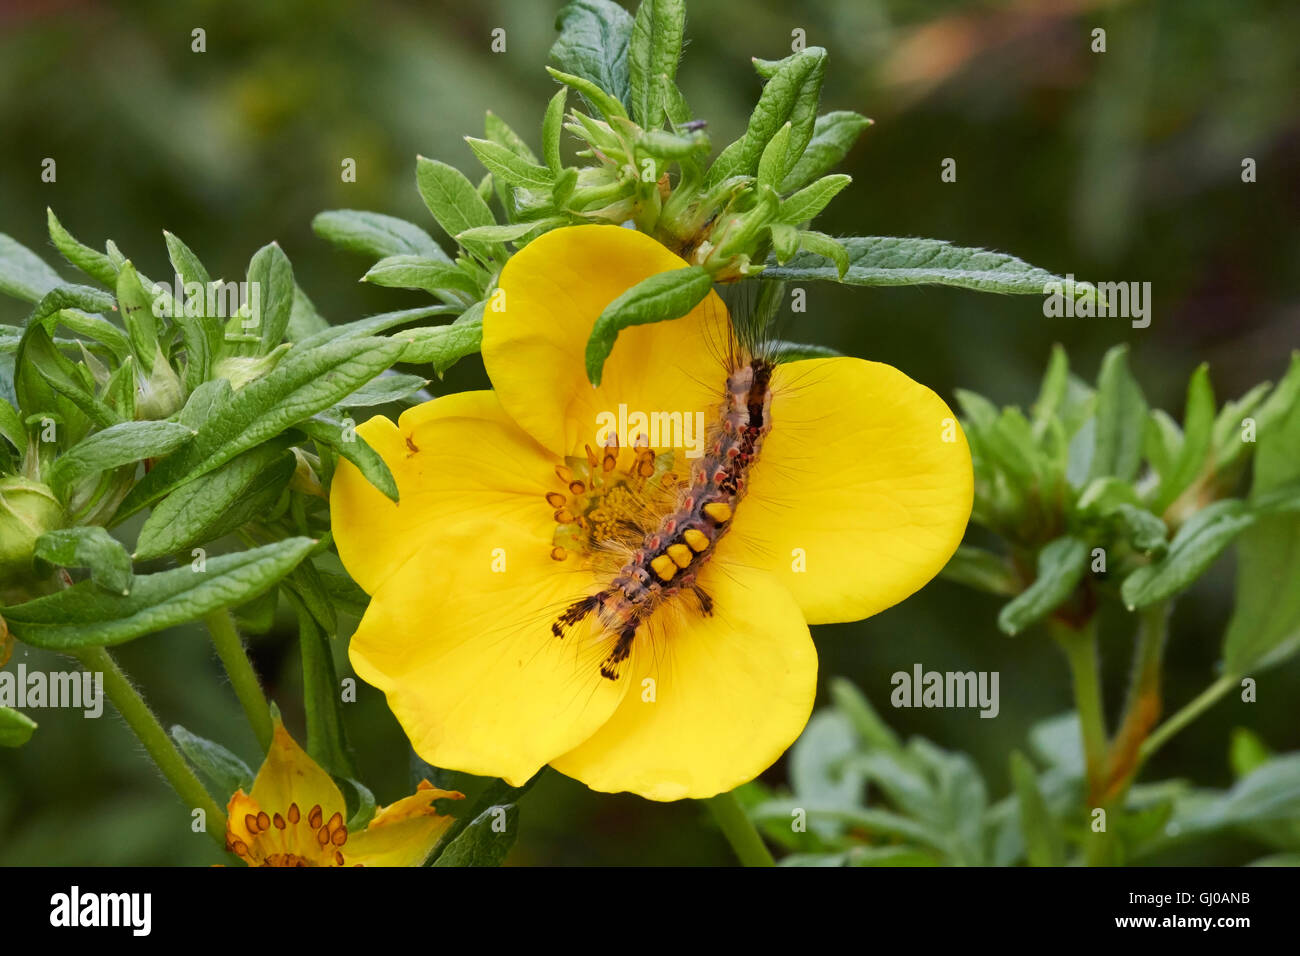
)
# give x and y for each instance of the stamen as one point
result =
(556, 500)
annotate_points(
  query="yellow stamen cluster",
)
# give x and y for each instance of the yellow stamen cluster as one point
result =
(605, 491)
(281, 840)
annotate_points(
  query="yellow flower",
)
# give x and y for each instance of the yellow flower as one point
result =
(294, 817)
(859, 495)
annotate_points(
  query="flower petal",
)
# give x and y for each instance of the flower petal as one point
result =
(459, 638)
(403, 833)
(555, 288)
(455, 458)
(865, 478)
(730, 693)
(289, 775)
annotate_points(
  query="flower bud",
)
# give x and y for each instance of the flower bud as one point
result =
(28, 509)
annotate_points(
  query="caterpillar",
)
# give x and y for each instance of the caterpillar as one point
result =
(664, 554)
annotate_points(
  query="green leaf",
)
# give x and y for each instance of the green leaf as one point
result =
(1198, 542)
(388, 387)
(507, 166)
(874, 732)
(1270, 793)
(90, 261)
(1265, 626)
(790, 95)
(452, 199)
(327, 741)
(820, 244)
(1247, 751)
(666, 295)
(486, 841)
(115, 446)
(514, 232)
(443, 345)
(356, 450)
(89, 547)
(552, 127)
(982, 570)
(86, 616)
(12, 427)
(1121, 419)
(15, 727)
(498, 131)
(83, 297)
(1198, 425)
(812, 199)
(47, 382)
(270, 273)
(137, 306)
(374, 234)
(798, 351)
(593, 44)
(375, 324)
(304, 320)
(307, 381)
(833, 135)
(653, 52)
(1061, 564)
(772, 161)
(1052, 391)
(785, 241)
(225, 771)
(1043, 841)
(608, 106)
(418, 272)
(218, 502)
(91, 327)
(23, 274)
(890, 261)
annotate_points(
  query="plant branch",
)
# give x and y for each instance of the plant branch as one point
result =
(221, 625)
(1189, 712)
(739, 830)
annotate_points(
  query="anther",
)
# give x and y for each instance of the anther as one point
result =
(564, 473)
(577, 487)
(558, 554)
(263, 821)
(556, 500)
(314, 818)
(294, 813)
(278, 821)
(250, 821)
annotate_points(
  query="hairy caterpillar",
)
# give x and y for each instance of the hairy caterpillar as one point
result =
(668, 530)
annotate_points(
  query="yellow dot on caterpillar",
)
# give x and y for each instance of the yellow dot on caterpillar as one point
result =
(558, 554)
(718, 511)
(698, 540)
(664, 567)
(556, 500)
(680, 554)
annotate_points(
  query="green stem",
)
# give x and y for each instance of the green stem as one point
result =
(242, 676)
(1081, 653)
(142, 721)
(1189, 712)
(739, 830)
(1142, 709)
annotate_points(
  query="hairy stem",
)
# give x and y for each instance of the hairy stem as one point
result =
(1144, 703)
(221, 625)
(142, 721)
(1080, 647)
(739, 830)
(1189, 712)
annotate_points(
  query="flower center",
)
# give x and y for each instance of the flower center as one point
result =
(291, 839)
(610, 497)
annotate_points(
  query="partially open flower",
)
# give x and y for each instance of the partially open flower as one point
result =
(295, 814)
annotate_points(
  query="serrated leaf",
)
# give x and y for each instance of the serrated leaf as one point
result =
(653, 52)
(593, 44)
(1198, 542)
(666, 295)
(306, 381)
(374, 234)
(833, 135)
(90, 261)
(1061, 564)
(892, 261)
(23, 274)
(86, 616)
(118, 445)
(218, 502)
(225, 771)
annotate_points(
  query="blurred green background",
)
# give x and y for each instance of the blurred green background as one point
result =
(1119, 166)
